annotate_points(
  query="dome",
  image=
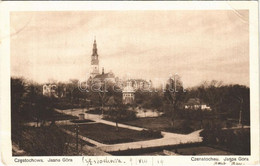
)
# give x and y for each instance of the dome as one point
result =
(128, 89)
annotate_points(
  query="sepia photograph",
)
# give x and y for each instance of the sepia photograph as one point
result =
(130, 85)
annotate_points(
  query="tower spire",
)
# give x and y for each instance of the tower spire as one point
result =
(94, 47)
(94, 60)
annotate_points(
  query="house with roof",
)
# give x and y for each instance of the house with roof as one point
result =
(108, 77)
(49, 90)
(196, 104)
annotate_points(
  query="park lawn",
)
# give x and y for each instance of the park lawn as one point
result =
(158, 123)
(57, 116)
(61, 116)
(163, 123)
(192, 150)
(47, 141)
(235, 140)
(201, 150)
(81, 121)
(109, 135)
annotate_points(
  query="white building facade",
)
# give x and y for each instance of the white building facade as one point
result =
(128, 94)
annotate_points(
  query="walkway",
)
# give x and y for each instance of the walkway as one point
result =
(168, 138)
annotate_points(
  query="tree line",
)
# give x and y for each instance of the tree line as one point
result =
(225, 101)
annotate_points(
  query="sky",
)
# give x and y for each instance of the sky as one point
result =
(197, 45)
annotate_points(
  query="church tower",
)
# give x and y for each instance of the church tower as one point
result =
(94, 61)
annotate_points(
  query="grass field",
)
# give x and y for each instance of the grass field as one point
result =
(201, 150)
(81, 121)
(109, 135)
(60, 116)
(164, 124)
(196, 150)
(46, 141)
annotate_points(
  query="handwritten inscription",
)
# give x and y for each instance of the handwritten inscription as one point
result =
(91, 161)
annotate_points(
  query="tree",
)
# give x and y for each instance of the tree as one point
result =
(17, 105)
(115, 114)
(44, 109)
(103, 95)
(72, 87)
(101, 90)
(212, 93)
(231, 101)
(174, 94)
(156, 101)
(143, 98)
(239, 97)
(118, 113)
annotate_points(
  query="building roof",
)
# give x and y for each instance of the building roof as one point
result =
(105, 75)
(128, 88)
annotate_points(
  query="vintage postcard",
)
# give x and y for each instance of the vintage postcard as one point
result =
(129, 83)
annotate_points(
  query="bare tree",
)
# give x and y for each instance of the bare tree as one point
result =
(173, 93)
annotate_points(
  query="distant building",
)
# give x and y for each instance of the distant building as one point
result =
(94, 72)
(128, 94)
(94, 61)
(108, 77)
(49, 90)
(140, 84)
(195, 104)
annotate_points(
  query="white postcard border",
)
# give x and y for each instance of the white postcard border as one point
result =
(7, 7)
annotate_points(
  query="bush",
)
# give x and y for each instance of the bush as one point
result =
(44, 141)
(118, 141)
(81, 121)
(63, 105)
(235, 140)
(228, 124)
(120, 115)
(128, 115)
(179, 130)
(181, 126)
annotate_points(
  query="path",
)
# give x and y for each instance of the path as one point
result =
(168, 138)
